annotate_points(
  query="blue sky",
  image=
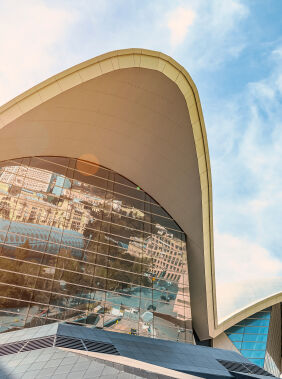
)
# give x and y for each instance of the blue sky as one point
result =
(233, 51)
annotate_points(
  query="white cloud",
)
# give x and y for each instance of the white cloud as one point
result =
(247, 174)
(30, 31)
(238, 259)
(234, 296)
(245, 272)
(215, 35)
(179, 20)
(261, 146)
(200, 34)
(39, 38)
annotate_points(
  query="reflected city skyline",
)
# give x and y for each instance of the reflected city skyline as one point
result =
(89, 249)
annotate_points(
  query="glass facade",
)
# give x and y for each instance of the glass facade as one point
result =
(82, 244)
(250, 336)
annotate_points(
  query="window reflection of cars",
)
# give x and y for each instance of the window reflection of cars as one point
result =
(112, 322)
(165, 298)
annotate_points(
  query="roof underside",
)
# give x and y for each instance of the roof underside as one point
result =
(142, 122)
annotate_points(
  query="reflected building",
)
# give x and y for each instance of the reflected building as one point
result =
(33, 179)
(67, 252)
(168, 254)
(106, 227)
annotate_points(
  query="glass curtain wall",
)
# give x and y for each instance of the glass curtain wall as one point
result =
(250, 336)
(82, 244)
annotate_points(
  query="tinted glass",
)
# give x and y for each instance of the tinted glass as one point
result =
(250, 336)
(82, 244)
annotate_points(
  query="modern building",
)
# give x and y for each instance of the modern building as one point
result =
(106, 228)
(255, 332)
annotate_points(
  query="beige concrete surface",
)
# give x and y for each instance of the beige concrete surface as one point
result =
(223, 342)
(137, 112)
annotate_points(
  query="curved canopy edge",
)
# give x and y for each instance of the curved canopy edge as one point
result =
(257, 306)
(153, 60)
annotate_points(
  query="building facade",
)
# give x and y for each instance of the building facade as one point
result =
(106, 212)
(67, 257)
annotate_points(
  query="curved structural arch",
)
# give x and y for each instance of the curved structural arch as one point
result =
(137, 112)
(249, 311)
(255, 332)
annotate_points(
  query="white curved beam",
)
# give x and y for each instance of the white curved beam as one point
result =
(36, 123)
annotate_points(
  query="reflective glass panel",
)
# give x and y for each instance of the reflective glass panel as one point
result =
(82, 244)
(250, 336)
